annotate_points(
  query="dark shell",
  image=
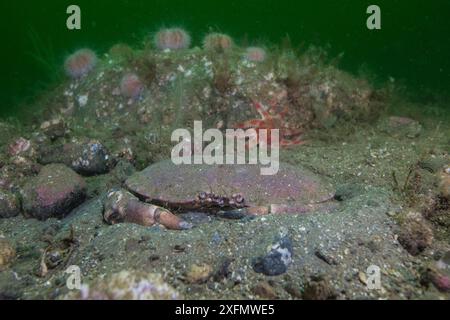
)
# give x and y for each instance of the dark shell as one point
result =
(182, 187)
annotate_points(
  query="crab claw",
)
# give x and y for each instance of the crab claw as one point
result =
(121, 206)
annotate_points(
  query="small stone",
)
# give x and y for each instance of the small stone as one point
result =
(9, 205)
(199, 273)
(53, 193)
(93, 159)
(264, 290)
(7, 254)
(362, 277)
(277, 260)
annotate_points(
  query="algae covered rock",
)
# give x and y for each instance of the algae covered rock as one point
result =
(9, 205)
(53, 193)
(126, 285)
(86, 157)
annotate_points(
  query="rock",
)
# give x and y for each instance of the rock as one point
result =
(53, 129)
(87, 158)
(93, 158)
(277, 260)
(53, 193)
(362, 276)
(199, 273)
(9, 205)
(264, 290)
(401, 127)
(318, 289)
(415, 235)
(7, 254)
(126, 285)
(20, 147)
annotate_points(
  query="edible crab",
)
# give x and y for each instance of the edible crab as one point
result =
(234, 191)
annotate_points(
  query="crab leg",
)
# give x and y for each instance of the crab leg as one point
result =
(250, 124)
(254, 211)
(262, 112)
(291, 132)
(122, 206)
(295, 142)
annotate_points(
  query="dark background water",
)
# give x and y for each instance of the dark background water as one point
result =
(413, 45)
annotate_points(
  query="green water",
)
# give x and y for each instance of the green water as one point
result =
(413, 45)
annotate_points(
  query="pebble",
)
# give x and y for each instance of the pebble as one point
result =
(9, 204)
(277, 260)
(53, 193)
(199, 273)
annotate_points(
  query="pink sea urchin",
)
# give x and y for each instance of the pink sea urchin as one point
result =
(80, 63)
(131, 86)
(255, 54)
(217, 42)
(173, 38)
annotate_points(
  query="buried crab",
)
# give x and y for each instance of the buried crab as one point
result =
(231, 191)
